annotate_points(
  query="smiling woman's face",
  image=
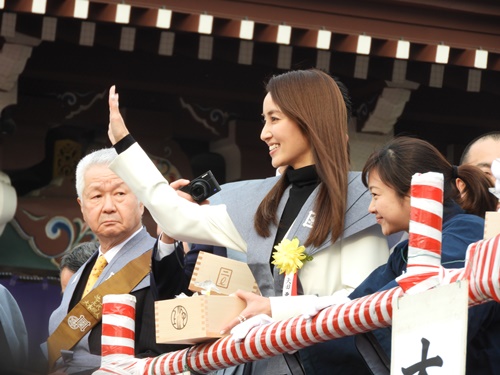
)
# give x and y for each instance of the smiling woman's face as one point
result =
(287, 144)
(391, 212)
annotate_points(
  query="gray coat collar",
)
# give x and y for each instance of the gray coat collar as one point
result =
(242, 199)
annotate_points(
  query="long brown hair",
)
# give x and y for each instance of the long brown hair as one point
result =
(312, 99)
(400, 158)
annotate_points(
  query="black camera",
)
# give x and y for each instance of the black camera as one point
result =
(202, 187)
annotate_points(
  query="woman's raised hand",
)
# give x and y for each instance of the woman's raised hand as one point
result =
(117, 129)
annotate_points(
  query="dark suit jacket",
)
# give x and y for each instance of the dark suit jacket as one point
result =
(85, 352)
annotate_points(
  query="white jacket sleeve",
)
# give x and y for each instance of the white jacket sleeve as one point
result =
(176, 216)
(289, 307)
(306, 305)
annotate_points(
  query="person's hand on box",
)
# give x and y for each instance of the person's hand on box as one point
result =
(256, 305)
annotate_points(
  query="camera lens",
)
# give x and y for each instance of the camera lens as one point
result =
(199, 191)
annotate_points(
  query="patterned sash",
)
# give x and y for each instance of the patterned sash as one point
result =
(87, 313)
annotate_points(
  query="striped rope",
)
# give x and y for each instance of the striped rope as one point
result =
(364, 314)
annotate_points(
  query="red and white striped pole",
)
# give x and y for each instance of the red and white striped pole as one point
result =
(118, 324)
(118, 334)
(423, 270)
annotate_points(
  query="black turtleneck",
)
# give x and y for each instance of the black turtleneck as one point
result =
(304, 181)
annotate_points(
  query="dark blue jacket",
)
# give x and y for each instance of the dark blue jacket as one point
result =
(483, 351)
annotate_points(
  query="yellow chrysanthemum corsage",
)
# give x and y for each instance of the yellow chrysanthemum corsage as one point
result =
(289, 256)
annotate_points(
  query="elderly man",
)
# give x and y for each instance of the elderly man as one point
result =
(481, 152)
(121, 265)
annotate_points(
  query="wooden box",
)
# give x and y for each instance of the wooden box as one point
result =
(227, 275)
(491, 224)
(194, 319)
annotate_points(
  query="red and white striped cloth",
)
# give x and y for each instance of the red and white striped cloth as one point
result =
(118, 324)
(118, 335)
(423, 270)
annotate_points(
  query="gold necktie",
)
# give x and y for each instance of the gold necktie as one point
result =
(95, 273)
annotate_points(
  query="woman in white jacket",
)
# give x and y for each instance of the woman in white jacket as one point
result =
(316, 200)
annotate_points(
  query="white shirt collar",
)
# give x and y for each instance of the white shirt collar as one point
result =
(110, 254)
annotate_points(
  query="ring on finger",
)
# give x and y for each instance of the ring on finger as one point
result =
(241, 318)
